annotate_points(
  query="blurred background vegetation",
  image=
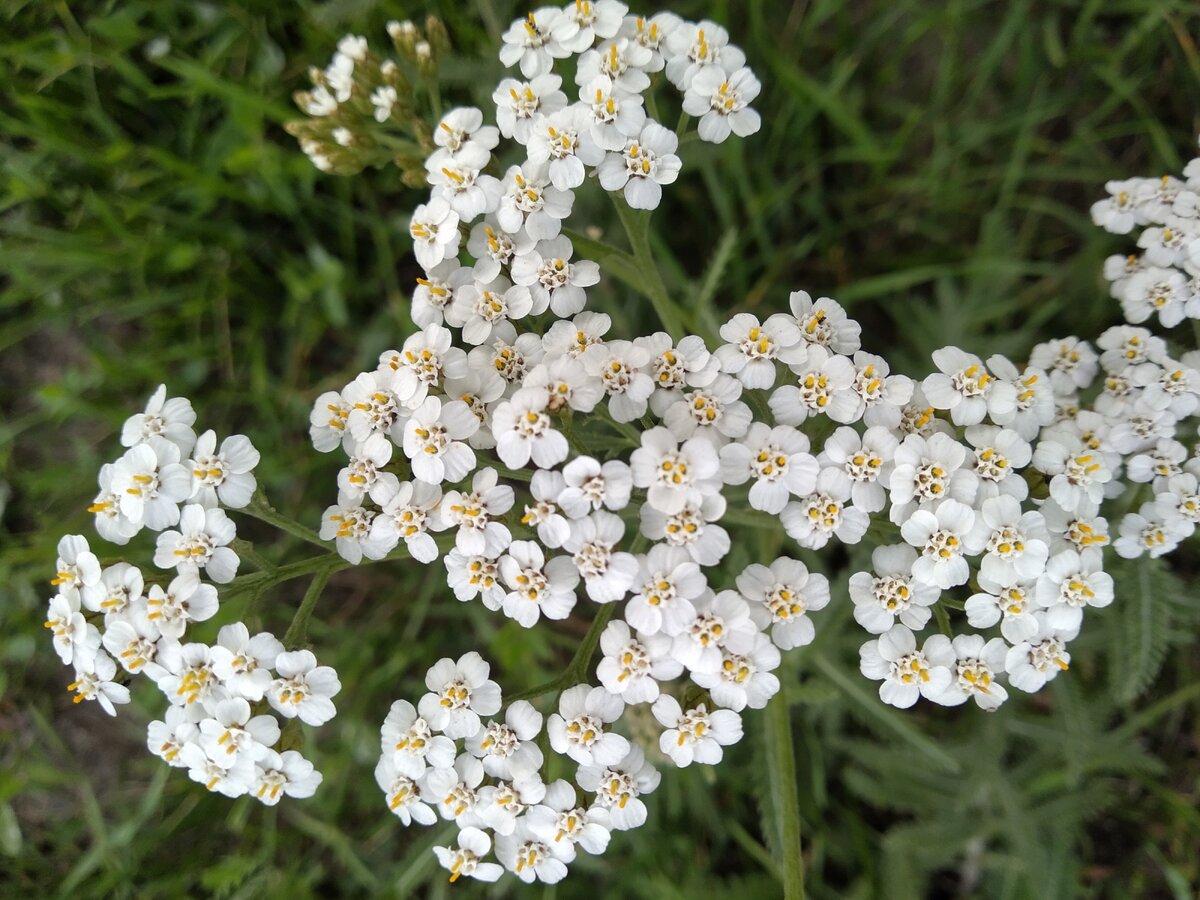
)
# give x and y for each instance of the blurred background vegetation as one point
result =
(928, 164)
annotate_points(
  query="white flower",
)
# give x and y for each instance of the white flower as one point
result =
(501, 805)
(434, 230)
(185, 600)
(75, 640)
(479, 308)
(435, 293)
(906, 673)
(553, 280)
(567, 384)
(751, 348)
(776, 458)
(244, 663)
(460, 693)
(676, 475)
(327, 422)
(473, 845)
(1013, 607)
(696, 735)
(532, 202)
(643, 166)
(744, 679)
(552, 527)
(168, 418)
(691, 528)
(378, 404)
(190, 680)
(825, 322)
(507, 748)
(1155, 290)
(518, 103)
(1126, 345)
(621, 367)
(670, 580)
(364, 474)
(133, 641)
(384, 98)
(349, 524)
(940, 537)
(523, 853)
(633, 666)
(434, 440)
(1072, 581)
(973, 665)
(1168, 245)
(121, 587)
(1078, 475)
(111, 524)
(151, 483)
(582, 21)
(607, 572)
(591, 486)
(619, 787)
(621, 60)
(533, 42)
(1015, 543)
(537, 587)
(713, 411)
(453, 790)
(223, 475)
(813, 520)
(616, 115)
(458, 178)
(558, 821)
(891, 593)
(78, 576)
(409, 515)
(825, 385)
(1117, 213)
(563, 140)
(780, 596)
(1000, 454)
(95, 682)
(165, 739)
(410, 743)
(403, 794)
(232, 732)
(473, 512)
(202, 542)
(651, 33)
(966, 388)
(577, 729)
(864, 463)
(229, 781)
(523, 431)
(1033, 662)
(288, 774)
(882, 394)
(722, 100)
(692, 47)
(1150, 530)
(303, 689)
(722, 623)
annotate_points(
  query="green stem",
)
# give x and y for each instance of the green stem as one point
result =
(781, 770)
(297, 632)
(637, 228)
(259, 508)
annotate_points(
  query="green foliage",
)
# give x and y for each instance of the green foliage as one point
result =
(929, 164)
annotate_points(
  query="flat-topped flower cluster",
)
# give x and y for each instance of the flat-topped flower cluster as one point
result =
(550, 464)
(110, 623)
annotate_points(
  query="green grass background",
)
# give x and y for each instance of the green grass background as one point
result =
(929, 164)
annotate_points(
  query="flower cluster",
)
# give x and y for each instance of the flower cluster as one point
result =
(982, 484)
(1147, 400)
(110, 624)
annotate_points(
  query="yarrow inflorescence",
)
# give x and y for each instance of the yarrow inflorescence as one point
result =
(553, 466)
